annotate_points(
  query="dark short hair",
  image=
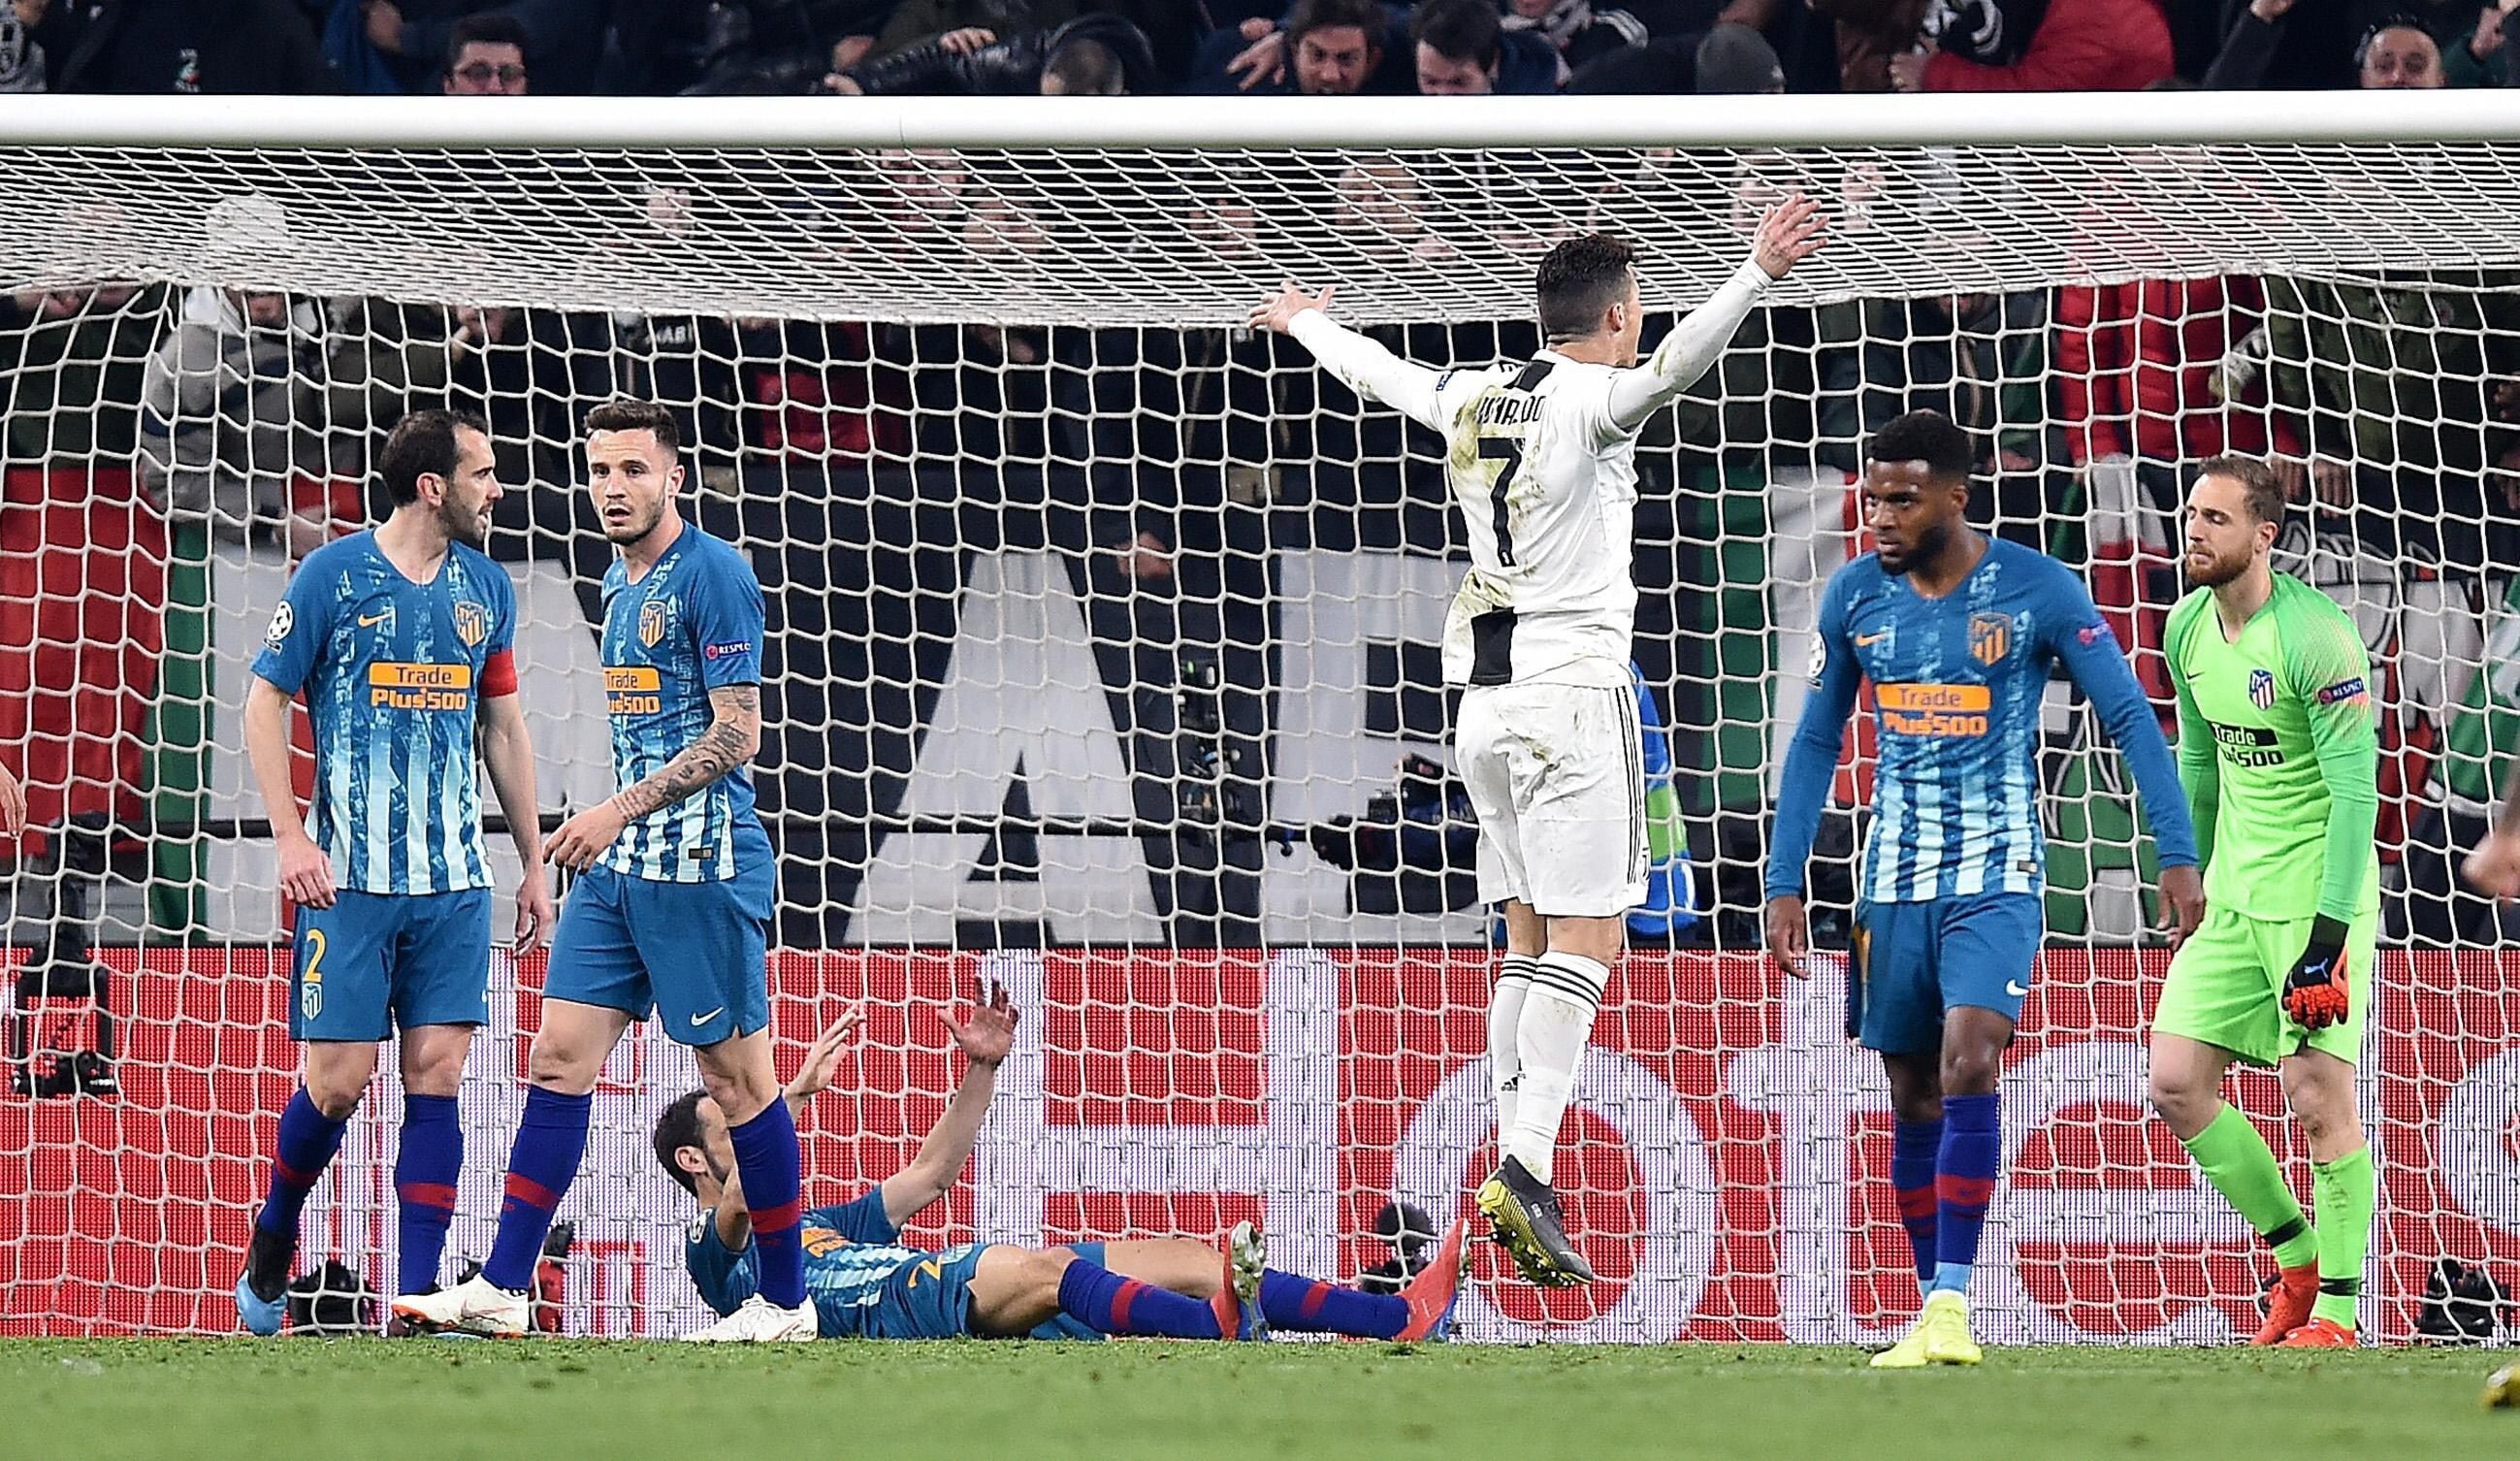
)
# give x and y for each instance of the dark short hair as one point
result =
(1086, 66)
(422, 444)
(1468, 30)
(1579, 279)
(1928, 436)
(626, 414)
(1332, 15)
(2256, 479)
(487, 29)
(2396, 19)
(678, 1126)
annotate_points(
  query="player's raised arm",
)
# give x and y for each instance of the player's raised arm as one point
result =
(2092, 657)
(1363, 364)
(1810, 761)
(984, 1042)
(1790, 232)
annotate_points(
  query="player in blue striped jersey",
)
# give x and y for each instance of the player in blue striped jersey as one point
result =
(671, 911)
(1957, 635)
(399, 639)
(867, 1282)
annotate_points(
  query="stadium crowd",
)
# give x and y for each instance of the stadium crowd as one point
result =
(1312, 47)
(2392, 406)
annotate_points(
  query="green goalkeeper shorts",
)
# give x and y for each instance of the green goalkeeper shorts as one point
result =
(2226, 987)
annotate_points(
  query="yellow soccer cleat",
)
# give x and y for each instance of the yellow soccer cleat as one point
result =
(2502, 1391)
(1941, 1337)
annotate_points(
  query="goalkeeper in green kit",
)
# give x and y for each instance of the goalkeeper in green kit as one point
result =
(2280, 759)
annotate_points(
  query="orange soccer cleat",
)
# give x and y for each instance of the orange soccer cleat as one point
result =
(2319, 1334)
(2288, 1303)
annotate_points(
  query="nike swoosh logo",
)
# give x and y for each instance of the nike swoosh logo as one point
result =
(700, 1020)
(371, 621)
(2016, 988)
(1862, 640)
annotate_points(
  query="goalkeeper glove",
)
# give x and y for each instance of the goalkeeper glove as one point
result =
(2315, 993)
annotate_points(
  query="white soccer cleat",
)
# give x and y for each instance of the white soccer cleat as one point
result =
(476, 1306)
(758, 1321)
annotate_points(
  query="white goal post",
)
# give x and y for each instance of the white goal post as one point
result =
(1101, 647)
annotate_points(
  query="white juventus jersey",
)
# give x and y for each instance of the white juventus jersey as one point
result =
(1547, 483)
(1542, 458)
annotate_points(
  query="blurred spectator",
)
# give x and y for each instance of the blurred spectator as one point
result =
(1339, 48)
(1735, 60)
(565, 38)
(2477, 56)
(1460, 48)
(1577, 30)
(72, 360)
(2297, 44)
(486, 55)
(917, 22)
(231, 421)
(207, 47)
(1862, 35)
(1093, 54)
(2399, 55)
(2075, 45)
(21, 60)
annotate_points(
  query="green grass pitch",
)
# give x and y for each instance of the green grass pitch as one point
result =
(557, 1401)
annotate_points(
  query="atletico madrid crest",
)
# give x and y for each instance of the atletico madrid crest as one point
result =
(2262, 689)
(1989, 637)
(471, 623)
(651, 623)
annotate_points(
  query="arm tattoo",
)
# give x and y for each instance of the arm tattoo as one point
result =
(721, 749)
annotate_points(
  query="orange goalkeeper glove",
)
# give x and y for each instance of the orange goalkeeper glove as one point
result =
(2316, 994)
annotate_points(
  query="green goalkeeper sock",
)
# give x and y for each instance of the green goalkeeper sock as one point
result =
(2236, 1159)
(2344, 1190)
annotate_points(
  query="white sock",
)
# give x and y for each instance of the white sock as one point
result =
(1505, 1014)
(1548, 1042)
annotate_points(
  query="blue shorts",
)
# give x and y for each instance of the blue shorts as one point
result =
(932, 1299)
(1914, 961)
(377, 962)
(697, 953)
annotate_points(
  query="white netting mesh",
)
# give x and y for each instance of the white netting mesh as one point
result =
(1097, 620)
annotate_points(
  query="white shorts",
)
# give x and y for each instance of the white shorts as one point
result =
(1557, 775)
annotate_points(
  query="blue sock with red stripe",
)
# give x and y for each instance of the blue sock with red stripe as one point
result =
(308, 1138)
(1112, 1304)
(550, 1143)
(424, 1175)
(766, 1158)
(1964, 1183)
(1307, 1305)
(1916, 1147)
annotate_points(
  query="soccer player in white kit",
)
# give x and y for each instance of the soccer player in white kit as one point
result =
(1540, 455)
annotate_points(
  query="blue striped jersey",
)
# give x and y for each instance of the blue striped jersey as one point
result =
(394, 673)
(691, 623)
(850, 1250)
(1957, 684)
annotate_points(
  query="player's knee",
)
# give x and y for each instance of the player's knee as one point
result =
(1971, 1071)
(556, 1065)
(336, 1082)
(1044, 1270)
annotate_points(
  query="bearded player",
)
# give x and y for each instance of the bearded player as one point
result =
(400, 640)
(1542, 463)
(2281, 762)
(867, 1283)
(671, 910)
(1957, 634)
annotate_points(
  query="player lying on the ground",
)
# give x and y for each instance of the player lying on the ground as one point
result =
(1957, 634)
(864, 1284)
(2282, 764)
(1542, 463)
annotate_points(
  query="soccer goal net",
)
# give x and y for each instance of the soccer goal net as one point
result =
(1101, 652)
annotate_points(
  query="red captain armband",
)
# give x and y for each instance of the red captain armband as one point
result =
(499, 675)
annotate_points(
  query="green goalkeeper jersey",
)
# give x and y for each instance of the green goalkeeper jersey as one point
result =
(2280, 755)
